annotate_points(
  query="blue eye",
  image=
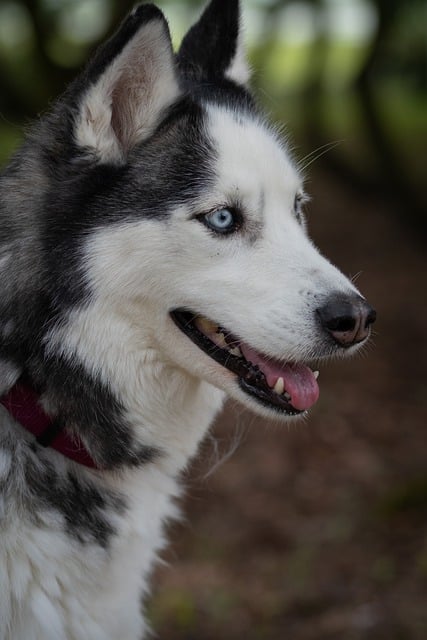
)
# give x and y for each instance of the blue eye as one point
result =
(221, 220)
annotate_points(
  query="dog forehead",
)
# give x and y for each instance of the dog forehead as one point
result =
(251, 160)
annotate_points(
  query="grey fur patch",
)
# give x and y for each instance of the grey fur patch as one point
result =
(43, 486)
(9, 374)
(87, 509)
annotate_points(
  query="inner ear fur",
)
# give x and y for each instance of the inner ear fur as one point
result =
(127, 87)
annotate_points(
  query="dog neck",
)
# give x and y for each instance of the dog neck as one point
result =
(23, 404)
(121, 403)
(128, 402)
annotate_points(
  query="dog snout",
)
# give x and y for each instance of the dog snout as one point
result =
(347, 319)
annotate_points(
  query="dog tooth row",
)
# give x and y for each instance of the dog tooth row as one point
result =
(221, 342)
(211, 329)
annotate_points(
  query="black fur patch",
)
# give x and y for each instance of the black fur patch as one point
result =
(86, 508)
(87, 407)
(209, 47)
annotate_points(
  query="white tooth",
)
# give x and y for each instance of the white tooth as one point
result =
(220, 340)
(316, 374)
(279, 387)
(287, 396)
(206, 325)
(235, 351)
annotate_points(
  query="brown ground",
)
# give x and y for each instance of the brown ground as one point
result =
(319, 531)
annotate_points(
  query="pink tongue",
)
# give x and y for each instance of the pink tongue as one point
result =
(298, 379)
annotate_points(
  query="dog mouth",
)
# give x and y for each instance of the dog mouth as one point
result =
(289, 388)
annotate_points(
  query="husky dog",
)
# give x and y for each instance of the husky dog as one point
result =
(153, 259)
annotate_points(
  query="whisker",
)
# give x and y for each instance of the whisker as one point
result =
(317, 153)
(356, 276)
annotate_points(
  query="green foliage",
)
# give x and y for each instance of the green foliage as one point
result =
(176, 606)
(330, 77)
(10, 138)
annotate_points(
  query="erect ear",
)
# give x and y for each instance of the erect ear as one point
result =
(213, 47)
(127, 86)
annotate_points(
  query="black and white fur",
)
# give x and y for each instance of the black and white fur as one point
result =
(101, 237)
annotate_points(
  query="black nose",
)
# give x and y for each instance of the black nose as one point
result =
(347, 319)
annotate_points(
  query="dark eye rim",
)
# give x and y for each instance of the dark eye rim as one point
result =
(238, 220)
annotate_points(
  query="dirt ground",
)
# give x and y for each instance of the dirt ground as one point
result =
(318, 531)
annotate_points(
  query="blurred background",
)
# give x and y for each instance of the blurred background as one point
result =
(317, 530)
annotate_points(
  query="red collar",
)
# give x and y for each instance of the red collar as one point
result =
(22, 402)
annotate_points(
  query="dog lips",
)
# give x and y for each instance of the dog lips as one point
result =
(299, 380)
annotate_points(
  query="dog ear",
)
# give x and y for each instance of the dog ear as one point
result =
(126, 87)
(213, 46)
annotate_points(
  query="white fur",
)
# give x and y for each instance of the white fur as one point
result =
(52, 588)
(239, 70)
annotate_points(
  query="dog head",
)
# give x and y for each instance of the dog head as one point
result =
(156, 192)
